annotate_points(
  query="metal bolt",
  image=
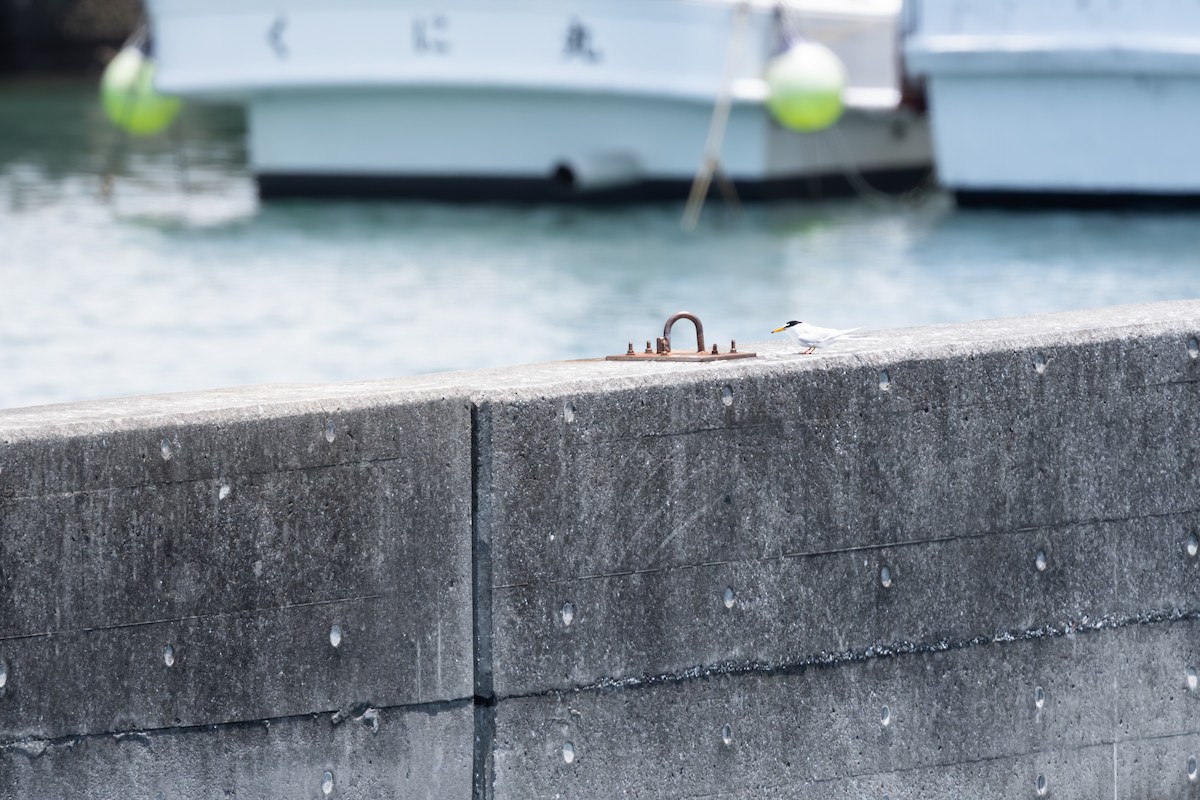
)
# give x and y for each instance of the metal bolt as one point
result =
(629, 352)
(648, 348)
(733, 345)
(714, 350)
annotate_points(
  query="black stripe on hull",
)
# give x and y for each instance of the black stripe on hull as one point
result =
(1076, 201)
(463, 189)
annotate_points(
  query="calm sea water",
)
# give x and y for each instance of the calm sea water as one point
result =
(183, 280)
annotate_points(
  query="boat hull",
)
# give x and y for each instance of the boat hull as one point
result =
(492, 145)
(1044, 102)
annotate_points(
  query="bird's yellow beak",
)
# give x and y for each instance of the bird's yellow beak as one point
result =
(780, 328)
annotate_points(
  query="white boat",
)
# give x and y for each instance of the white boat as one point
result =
(1061, 102)
(536, 99)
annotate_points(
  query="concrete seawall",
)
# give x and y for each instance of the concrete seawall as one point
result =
(958, 561)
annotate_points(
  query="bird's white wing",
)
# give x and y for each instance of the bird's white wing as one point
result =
(815, 335)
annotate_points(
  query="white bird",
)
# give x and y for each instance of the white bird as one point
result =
(812, 336)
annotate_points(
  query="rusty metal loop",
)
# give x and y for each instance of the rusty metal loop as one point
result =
(695, 320)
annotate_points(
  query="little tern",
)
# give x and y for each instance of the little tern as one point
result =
(811, 336)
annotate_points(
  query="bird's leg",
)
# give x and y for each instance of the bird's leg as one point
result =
(809, 351)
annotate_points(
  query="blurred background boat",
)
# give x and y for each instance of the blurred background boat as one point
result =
(537, 100)
(1061, 102)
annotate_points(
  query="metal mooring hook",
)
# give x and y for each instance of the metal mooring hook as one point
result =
(664, 352)
(666, 339)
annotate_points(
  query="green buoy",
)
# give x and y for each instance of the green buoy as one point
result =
(129, 98)
(804, 87)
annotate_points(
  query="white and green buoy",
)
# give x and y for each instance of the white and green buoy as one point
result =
(128, 95)
(804, 87)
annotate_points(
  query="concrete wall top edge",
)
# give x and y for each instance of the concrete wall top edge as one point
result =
(875, 348)
(237, 404)
(868, 347)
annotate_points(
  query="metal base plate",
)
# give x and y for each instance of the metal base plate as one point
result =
(692, 356)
